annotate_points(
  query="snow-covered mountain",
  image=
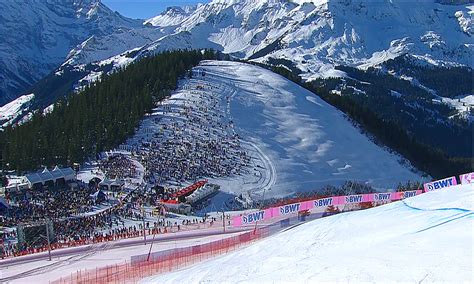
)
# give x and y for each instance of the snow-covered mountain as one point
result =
(318, 34)
(172, 17)
(38, 35)
(312, 35)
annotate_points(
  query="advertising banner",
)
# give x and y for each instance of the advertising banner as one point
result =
(386, 196)
(467, 178)
(290, 209)
(324, 202)
(250, 218)
(351, 199)
(438, 184)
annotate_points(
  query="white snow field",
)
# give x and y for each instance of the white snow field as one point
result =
(12, 110)
(297, 141)
(428, 238)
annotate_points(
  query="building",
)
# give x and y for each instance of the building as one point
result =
(202, 193)
(57, 176)
(180, 208)
(112, 184)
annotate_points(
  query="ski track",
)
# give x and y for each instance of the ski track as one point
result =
(58, 264)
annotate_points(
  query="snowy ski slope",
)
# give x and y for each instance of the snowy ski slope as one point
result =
(424, 238)
(301, 142)
(296, 142)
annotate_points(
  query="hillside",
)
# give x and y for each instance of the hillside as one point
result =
(278, 138)
(423, 238)
(97, 118)
(38, 35)
(296, 142)
(314, 35)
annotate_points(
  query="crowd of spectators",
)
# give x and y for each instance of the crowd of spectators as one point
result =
(195, 140)
(118, 166)
(50, 202)
(123, 220)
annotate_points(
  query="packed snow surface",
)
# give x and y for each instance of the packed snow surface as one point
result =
(303, 142)
(424, 238)
(91, 257)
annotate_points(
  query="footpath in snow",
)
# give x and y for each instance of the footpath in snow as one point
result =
(424, 238)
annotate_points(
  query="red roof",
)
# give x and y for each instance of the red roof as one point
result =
(169, 201)
(189, 189)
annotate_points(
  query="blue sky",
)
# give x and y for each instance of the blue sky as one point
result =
(144, 9)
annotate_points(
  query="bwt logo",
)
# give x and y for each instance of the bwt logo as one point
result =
(407, 194)
(323, 202)
(382, 196)
(253, 217)
(287, 209)
(353, 198)
(440, 184)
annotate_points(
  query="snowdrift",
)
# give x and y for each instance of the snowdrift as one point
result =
(424, 238)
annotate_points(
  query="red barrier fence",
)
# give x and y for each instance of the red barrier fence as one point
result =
(165, 262)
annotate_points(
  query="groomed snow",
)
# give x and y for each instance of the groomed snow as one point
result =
(302, 142)
(100, 255)
(425, 238)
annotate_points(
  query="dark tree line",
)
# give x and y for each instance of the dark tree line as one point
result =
(423, 156)
(446, 81)
(411, 107)
(98, 118)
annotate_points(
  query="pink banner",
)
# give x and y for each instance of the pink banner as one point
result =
(467, 178)
(324, 202)
(290, 208)
(269, 213)
(386, 196)
(252, 217)
(307, 205)
(294, 208)
(339, 200)
(356, 198)
(237, 221)
(438, 184)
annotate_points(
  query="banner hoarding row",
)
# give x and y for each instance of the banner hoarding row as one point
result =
(288, 209)
(293, 208)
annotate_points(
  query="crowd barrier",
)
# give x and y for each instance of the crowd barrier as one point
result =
(161, 262)
(146, 265)
(107, 238)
